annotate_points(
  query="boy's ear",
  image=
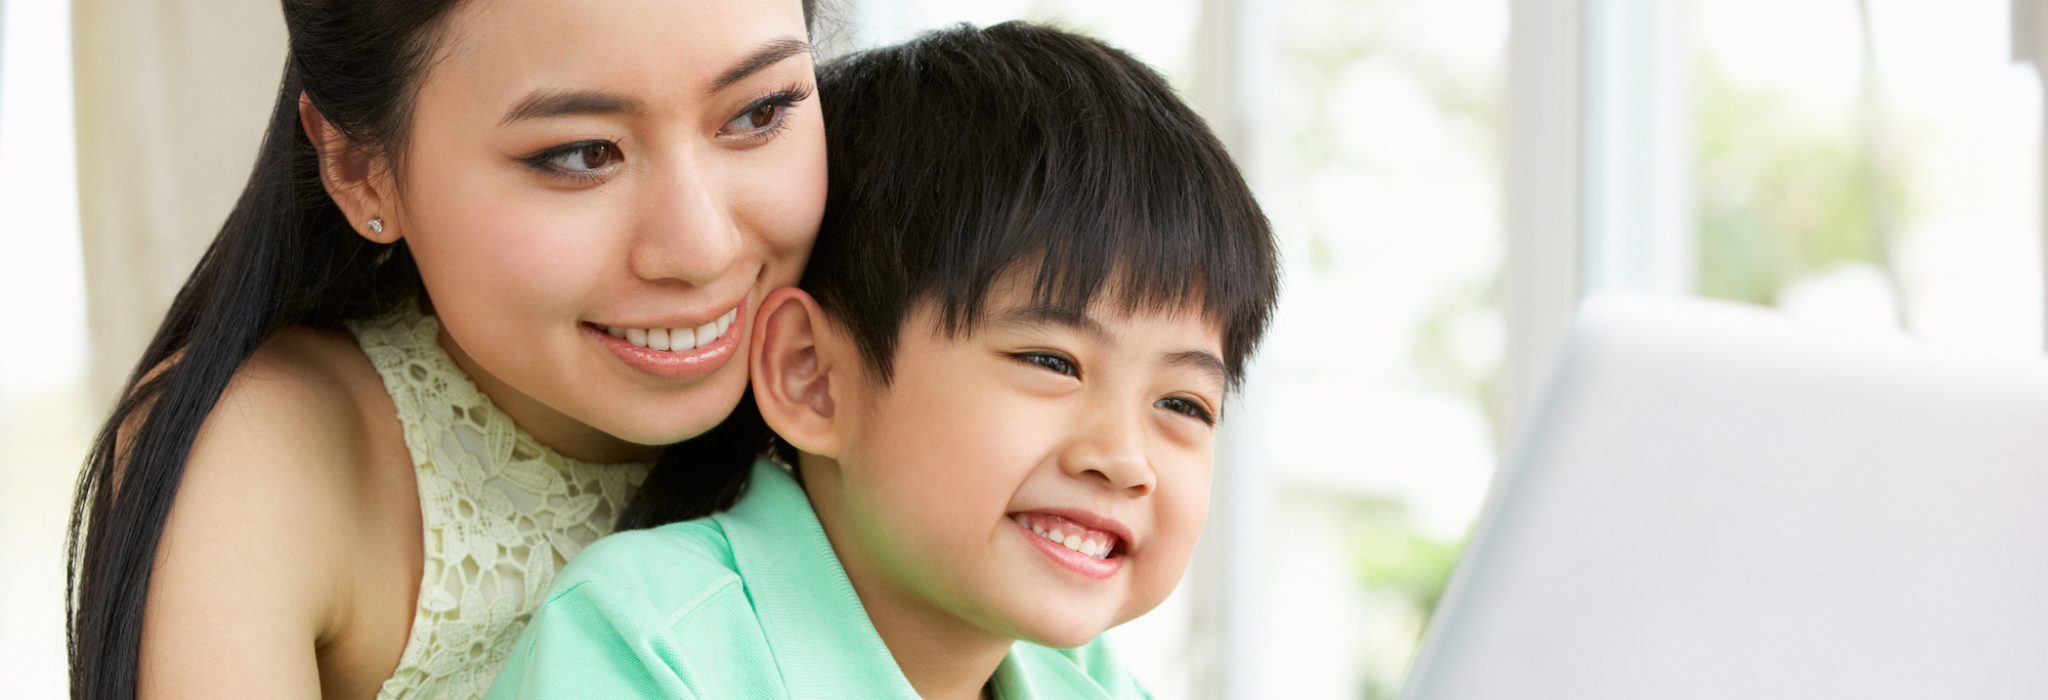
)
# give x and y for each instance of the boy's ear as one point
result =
(793, 361)
(358, 181)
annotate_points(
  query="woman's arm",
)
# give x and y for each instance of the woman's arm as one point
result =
(253, 572)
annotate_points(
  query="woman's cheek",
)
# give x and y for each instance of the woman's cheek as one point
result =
(535, 255)
(785, 202)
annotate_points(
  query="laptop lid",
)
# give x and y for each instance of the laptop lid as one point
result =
(1718, 502)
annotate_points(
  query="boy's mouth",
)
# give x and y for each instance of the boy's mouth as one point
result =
(1090, 542)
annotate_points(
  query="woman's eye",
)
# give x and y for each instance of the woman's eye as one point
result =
(765, 117)
(760, 117)
(582, 160)
(1052, 362)
(1187, 408)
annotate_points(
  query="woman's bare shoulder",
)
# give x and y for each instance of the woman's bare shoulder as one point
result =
(306, 403)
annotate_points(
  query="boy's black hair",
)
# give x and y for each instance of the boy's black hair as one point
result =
(967, 154)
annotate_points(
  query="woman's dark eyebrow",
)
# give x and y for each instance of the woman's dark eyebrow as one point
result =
(769, 54)
(555, 103)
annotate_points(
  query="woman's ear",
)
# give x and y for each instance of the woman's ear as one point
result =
(792, 364)
(357, 180)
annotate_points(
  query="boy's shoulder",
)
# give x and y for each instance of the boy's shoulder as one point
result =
(674, 563)
(660, 612)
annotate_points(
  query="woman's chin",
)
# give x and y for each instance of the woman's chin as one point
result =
(669, 420)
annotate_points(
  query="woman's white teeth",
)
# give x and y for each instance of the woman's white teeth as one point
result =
(676, 339)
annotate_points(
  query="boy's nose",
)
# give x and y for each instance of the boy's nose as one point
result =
(1111, 448)
(685, 231)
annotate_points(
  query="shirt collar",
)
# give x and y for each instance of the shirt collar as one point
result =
(823, 642)
(1032, 671)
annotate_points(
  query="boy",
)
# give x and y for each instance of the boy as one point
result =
(1037, 277)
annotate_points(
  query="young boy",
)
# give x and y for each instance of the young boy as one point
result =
(1037, 280)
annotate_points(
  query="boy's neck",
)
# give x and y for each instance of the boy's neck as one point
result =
(943, 656)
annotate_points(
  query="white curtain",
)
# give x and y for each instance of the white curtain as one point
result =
(172, 101)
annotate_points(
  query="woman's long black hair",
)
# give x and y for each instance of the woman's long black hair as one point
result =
(287, 257)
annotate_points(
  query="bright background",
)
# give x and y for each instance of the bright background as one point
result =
(1449, 177)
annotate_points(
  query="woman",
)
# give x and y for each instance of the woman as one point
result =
(493, 257)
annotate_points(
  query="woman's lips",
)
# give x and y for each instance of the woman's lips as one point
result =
(700, 360)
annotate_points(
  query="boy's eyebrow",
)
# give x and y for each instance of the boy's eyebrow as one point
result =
(769, 54)
(1202, 360)
(1042, 315)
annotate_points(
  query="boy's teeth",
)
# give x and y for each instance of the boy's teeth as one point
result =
(1088, 542)
(676, 339)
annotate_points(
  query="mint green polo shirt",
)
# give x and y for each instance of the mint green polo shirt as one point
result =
(749, 603)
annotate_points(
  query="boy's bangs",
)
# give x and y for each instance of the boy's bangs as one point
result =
(1132, 239)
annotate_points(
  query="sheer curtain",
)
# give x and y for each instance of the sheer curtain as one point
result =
(172, 100)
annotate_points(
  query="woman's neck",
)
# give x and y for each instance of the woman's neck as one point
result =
(550, 427)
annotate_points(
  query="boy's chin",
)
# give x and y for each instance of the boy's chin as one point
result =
(1064, 632)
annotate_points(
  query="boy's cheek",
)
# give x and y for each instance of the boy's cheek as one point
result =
(1179, 526)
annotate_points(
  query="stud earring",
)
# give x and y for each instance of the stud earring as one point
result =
(377, 225)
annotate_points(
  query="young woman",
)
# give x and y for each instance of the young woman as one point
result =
(494, 259)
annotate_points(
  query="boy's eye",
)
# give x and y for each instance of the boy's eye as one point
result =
(1186, 407)
(1050, 361)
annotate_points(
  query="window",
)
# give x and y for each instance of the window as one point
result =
(1892, 182)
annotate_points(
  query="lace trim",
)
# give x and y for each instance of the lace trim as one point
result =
(501, 512)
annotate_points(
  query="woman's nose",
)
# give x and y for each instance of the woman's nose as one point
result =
(686, 230)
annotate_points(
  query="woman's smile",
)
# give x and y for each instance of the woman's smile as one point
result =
(682, 353)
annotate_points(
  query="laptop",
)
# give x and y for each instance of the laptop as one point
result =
(1719, 502)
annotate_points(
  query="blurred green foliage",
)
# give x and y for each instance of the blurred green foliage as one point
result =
(1393, 557)
(1405, 571)
(1783, 191)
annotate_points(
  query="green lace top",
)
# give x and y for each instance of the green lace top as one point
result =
(501, 512)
